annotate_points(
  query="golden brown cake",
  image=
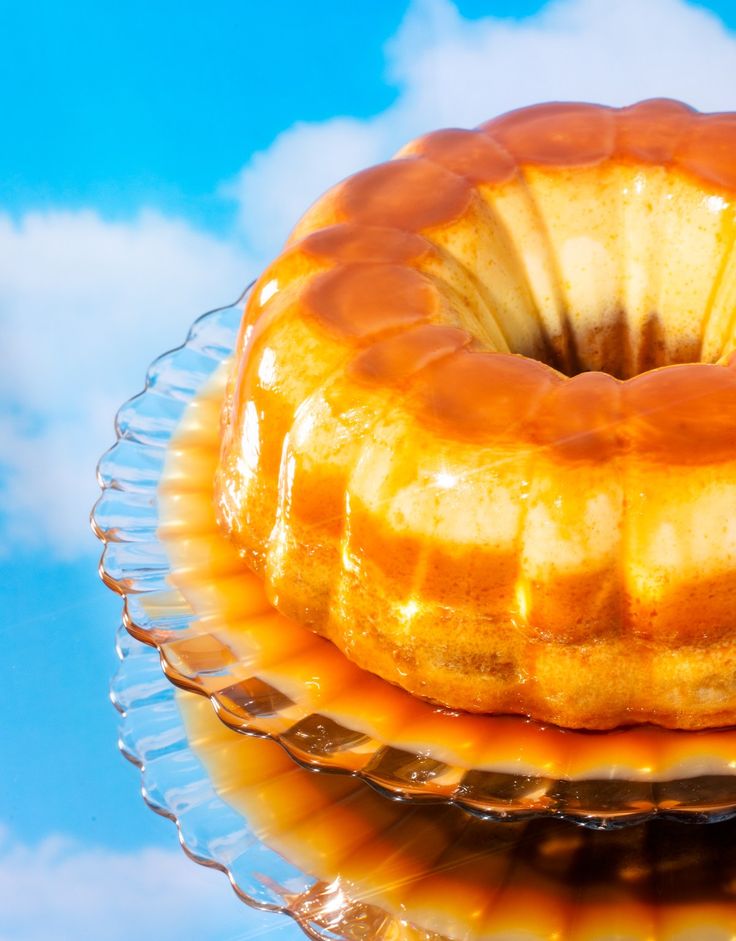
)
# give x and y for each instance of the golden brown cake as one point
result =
(481, 425)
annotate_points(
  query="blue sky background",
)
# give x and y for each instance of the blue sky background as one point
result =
(152, 160)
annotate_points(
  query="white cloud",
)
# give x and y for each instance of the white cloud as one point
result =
(60, 889)
(278, 185)
(455, 72)
(594, 50)
(85, 305)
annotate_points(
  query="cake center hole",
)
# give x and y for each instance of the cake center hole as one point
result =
(617, 344)
(589, 340)
(619, 347)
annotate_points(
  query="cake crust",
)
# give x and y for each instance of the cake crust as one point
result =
(481, 427)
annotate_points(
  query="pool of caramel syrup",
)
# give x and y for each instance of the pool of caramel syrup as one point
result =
(432, 869)
(239, 635)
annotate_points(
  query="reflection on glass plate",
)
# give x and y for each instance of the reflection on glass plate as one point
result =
(187, 592)
(346, 863)
(176, 785)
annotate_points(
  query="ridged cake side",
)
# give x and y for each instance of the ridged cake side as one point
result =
(448, 448)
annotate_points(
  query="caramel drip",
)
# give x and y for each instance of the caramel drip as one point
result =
(470, 154)
(350, 243)
(361, 300)
(652, 130)
(683, 414)
(584, 420)
(557, 135)
(707, 152)
(393, 362)
(484, 396)
(403, 193)
(721, 310)
(411, 194)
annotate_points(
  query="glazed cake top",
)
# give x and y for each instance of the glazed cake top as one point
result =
(522, 283)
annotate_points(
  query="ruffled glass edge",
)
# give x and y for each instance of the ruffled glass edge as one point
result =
(176, 785)
(135, 564)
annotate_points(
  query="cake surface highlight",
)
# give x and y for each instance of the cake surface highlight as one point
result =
(480, 429)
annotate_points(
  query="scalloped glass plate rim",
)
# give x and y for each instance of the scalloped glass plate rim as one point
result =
(263, 880)
(173, 380)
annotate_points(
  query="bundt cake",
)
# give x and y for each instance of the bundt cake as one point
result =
(480, 429)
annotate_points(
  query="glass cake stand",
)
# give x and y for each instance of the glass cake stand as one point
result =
(268, 677)
(348, 865)
(175, 785)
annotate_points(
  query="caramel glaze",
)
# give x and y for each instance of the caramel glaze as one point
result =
(471, 301)
(436, 870)
(238, 635)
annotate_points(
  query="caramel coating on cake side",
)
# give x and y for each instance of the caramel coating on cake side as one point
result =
(480, 431)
